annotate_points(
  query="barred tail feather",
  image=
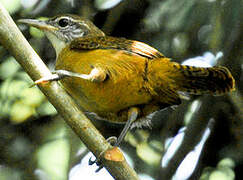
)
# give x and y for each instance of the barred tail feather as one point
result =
(196, 80)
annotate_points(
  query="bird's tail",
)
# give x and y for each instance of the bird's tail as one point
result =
(196, 80)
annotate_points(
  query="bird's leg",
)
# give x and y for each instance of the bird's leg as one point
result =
(132, 116)
(96, 75)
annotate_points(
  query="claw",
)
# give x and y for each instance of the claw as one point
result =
(99, 168)
(112, 140)
(97, 162)
(46, 79)
(91, 162)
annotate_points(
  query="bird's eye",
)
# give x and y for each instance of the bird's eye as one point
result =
(63, 22)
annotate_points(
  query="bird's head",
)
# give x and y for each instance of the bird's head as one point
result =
(62, 29)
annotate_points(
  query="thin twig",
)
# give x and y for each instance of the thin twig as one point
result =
(13, 40)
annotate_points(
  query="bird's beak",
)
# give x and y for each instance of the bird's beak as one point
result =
(40, 24)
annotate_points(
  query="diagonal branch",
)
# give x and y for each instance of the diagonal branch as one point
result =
(13, 40)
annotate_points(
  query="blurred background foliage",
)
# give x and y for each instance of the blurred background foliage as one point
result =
(35, 143)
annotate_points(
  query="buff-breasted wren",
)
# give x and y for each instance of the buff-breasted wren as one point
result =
(121, 80)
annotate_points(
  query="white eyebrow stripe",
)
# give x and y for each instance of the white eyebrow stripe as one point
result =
(66, 17)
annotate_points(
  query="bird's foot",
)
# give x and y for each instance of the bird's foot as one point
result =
(112, 140)
(96, 75)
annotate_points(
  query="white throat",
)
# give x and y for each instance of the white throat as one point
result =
(56, 43)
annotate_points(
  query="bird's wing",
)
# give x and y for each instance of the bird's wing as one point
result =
(108, 42)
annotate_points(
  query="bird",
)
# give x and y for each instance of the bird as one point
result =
(121, 80)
